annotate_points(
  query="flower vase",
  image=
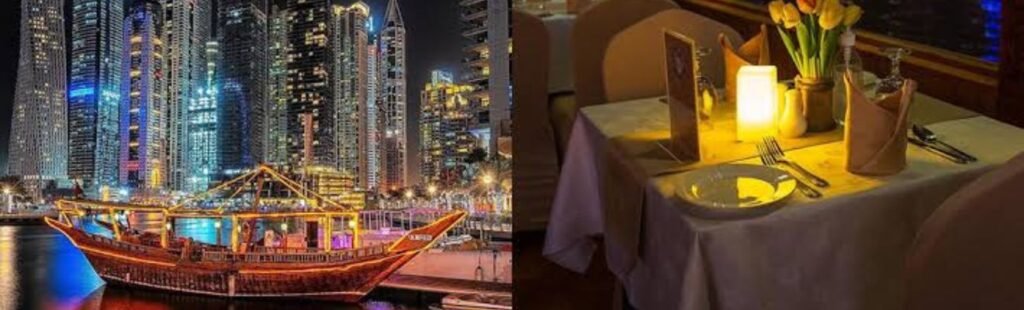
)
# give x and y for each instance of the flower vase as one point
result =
(792, 123)
(816, 94)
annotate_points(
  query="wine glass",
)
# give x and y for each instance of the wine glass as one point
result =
(708, 95)
(894, 81)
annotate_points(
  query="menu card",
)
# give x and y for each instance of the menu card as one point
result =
(680, 53)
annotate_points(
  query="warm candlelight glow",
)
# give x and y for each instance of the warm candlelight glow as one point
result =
(756, 101)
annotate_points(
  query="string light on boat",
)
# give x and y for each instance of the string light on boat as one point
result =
(216, 224)
(284, 226)
(167, 226)
(352, 224)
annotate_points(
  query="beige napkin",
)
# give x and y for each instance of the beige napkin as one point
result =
(754, 52)
(876, 131)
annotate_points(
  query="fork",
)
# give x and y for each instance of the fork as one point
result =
(768, 160)
(775, 151)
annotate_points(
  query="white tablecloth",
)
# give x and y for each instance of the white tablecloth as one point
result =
(841, 252)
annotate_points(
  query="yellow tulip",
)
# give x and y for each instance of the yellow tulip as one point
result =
(808, 6)
(775, 10)
(832, 13)
(790, 16)
(852, 15)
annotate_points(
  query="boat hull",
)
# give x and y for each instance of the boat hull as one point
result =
(333, 283)
(359, 272)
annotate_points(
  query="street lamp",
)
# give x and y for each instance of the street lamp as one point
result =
(487, 179)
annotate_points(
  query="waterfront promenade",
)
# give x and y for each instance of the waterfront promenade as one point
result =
(26, 217)
(455, 273)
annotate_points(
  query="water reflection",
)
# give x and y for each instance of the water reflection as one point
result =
(41, 269)
(9, 280)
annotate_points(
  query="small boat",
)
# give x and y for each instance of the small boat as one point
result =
(243, 269)
(477, 302)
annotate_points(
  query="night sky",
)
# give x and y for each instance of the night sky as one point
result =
(433, 38)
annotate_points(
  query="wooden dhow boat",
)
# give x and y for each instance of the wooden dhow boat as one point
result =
(242, 268)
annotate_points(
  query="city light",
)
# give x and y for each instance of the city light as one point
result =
(432, 189)
(487, 179)
(408, 194)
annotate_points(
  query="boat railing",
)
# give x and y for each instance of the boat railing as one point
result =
(273, 250)
(125, 246)
(317, 257)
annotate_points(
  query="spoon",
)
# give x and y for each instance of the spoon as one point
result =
(927, 135)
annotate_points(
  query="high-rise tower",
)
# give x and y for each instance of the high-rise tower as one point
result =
(276, 145)
(445, 139)
(242, 82)
(143, 106)
(311, 108)
(186, 31)
(39, 136)
(372, 134)
(349, 88)
(394, 161)
(201, 150)
(95, 85)
(487, 67)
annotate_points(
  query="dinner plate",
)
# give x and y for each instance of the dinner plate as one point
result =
(735, 190)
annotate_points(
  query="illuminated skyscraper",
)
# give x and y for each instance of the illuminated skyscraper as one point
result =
(445, 139)
(143, 106)
(349, 86)
(39, 136)
(201, 151)
(276, 144)
(95, 83)
(311, 109)
(394, 170)
(242, 83)
(487, 67)
(186, 31)
(372, 134)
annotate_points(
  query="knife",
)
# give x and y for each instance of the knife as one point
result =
(939, 151)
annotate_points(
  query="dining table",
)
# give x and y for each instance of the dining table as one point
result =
(620, 186)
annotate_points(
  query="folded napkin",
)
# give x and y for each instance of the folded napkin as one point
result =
(753, 52)
(876, 130)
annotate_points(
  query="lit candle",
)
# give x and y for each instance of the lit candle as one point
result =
(756, 102)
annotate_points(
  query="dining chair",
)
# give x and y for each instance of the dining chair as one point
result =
(560, 72)
(593, 29)
(634, 61)
(969, 254)
(534, 155)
